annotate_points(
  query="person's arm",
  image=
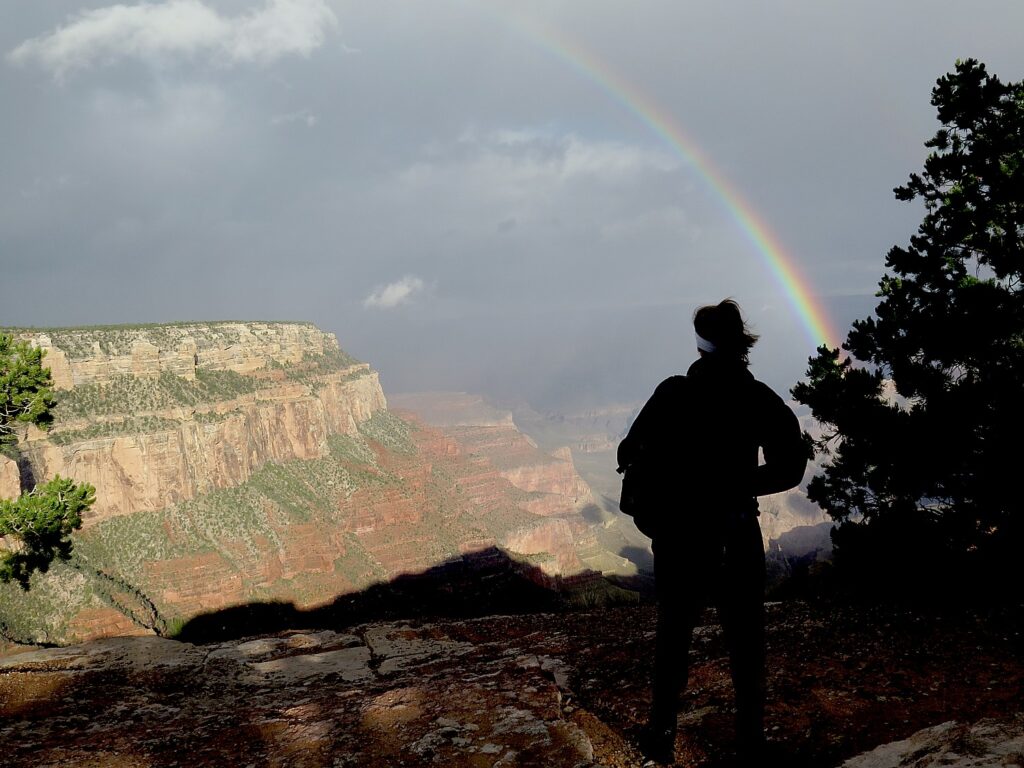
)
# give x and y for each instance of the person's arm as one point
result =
(785, 453)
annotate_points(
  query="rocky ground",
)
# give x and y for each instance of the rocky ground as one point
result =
(561, 689)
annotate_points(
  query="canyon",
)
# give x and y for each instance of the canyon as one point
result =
(285, 567)
(244, 462)
(793, 529)
(250, 462)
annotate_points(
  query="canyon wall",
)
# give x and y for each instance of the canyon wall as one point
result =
(484, 431)
(79, 356)
(239, 462)
(134, 419)
(190, 451)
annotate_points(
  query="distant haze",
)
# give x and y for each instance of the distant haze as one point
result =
(453, 198)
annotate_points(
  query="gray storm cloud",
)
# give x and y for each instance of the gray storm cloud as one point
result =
(303, 116)
(179, 28)
(464, 206)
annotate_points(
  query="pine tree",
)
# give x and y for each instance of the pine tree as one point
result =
(34, 527)
(924, 419)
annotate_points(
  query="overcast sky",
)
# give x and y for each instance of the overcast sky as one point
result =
(438, 184)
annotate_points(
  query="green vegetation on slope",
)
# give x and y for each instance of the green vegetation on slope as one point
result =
(314, 365)
(132, 426)
(390, 431)
(41, 614)
(82, 342)
(238, 523)
(357, 565)
(126, 394)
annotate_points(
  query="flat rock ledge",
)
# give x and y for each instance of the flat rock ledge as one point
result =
(564, 690)
(381, 695)
(985, 744)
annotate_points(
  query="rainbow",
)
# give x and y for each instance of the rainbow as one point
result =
(782, 267)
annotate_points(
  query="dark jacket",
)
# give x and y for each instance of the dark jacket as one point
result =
(701, 433)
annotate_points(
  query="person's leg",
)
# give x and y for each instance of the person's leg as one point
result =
(679, 605)
(676, 618)
(741, 608)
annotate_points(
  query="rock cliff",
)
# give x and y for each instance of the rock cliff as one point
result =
(158, 415)
(10, 478)
(245, 461)
(547, 472)
(82, 356)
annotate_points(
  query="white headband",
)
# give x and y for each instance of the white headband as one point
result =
(704, 345)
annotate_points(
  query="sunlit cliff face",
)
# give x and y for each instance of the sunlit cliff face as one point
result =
(242, 461)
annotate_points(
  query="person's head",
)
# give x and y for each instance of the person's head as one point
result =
(721, 331)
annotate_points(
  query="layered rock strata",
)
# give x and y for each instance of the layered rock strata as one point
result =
(145, 446)
(245, 462)
(79, 356)
(547, 470)
(195, 450)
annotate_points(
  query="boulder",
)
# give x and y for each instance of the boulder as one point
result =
(985, 744)
(10, 479)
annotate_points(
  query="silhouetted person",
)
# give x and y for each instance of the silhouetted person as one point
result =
(699, 435)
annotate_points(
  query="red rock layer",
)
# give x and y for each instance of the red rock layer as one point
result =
(93, 623)
(195, 584)
(150, 470)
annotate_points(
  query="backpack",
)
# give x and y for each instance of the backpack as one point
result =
(642, 466)
(638, 499)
